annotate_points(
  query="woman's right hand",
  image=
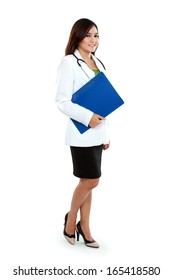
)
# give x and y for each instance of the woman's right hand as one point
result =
(96, 120)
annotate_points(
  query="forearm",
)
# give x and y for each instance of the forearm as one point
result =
(76, 112)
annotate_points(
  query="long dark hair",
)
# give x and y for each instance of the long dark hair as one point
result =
(78, 33)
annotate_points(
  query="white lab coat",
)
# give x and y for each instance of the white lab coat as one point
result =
(70, 78)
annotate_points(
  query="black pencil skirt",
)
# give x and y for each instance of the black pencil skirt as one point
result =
(87, 161)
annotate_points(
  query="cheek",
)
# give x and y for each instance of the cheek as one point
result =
(83, 43)
(97, 43)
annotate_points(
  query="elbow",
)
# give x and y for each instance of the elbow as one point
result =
(59, 101)
(59, 105)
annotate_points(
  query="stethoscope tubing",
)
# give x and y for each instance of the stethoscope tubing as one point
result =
(78, 62)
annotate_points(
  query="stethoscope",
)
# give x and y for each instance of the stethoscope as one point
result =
(79, 63)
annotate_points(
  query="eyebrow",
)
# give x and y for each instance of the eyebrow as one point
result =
(94, 33)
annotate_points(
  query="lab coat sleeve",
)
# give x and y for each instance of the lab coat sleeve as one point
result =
(64, 91)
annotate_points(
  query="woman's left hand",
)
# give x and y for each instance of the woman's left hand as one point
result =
(106, 146)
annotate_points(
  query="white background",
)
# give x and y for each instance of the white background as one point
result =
(132, 207)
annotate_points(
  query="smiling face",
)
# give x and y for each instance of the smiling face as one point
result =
(90, 43)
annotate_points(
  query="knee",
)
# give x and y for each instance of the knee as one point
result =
(92, 183)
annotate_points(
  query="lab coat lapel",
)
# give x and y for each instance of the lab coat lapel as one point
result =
(84, 66)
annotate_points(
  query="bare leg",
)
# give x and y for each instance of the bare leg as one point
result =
(85, 216)
(81, 193)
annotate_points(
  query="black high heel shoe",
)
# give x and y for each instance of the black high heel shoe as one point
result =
(88, 243)
(70, 237)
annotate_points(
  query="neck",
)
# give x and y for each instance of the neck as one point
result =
(85, 55)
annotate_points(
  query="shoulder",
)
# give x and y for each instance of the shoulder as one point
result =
(66, 62)
(68, 59)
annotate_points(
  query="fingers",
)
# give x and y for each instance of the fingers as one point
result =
(96, 120)
(105, 146)
(100, 117)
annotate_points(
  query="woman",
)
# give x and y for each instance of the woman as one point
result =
(78, 66)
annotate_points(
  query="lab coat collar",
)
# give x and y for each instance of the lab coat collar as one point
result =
(88, 70)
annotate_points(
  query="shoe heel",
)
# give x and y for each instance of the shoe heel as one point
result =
(77, 235)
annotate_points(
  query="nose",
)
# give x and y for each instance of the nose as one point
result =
(93, 39)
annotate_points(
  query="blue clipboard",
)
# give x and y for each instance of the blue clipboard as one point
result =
(99, 96)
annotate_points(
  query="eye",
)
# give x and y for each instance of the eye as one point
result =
(96, 35)
(88, 35)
